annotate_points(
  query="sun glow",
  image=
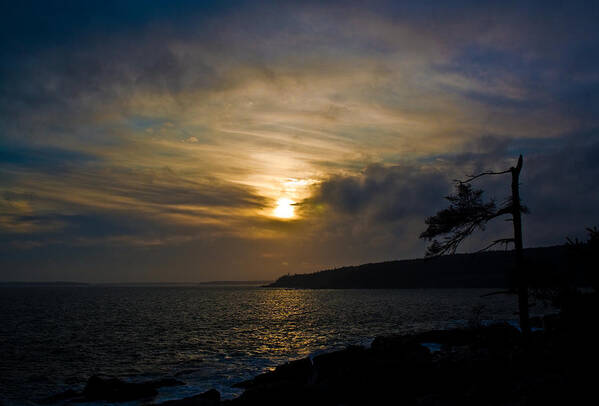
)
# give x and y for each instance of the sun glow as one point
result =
(284, 209)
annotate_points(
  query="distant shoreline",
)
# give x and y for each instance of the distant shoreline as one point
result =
(132, 284)
(42, 284)
(236, 282)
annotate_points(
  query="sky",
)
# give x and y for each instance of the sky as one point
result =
(188, 141)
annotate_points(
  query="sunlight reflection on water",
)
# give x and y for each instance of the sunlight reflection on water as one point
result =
(55, 338)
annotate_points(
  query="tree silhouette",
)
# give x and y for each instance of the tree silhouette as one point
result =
(467, 213)
(586, 256)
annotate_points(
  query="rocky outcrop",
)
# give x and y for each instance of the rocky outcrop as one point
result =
(116, 390)
(109, 389)
(356, 375)
(480, 366)
(293, 371)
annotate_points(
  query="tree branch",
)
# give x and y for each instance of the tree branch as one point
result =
(473, 177)
(505, 241)
(500, 212)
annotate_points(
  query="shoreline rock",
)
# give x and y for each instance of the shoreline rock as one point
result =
(110, 389)
(489, 365)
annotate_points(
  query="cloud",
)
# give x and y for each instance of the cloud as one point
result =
(111, 202)
(384, 194)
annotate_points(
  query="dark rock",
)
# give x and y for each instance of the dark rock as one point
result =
(286, 393)
(296, 371)
(497, 338)
(116, 390)
(552, 322)
(209, 398)
(536, 322)
(447, 337)
(405, 349)
(337, 364)
(346, 374)
(503, 332)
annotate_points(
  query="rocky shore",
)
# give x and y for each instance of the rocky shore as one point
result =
(492, 365)
(484, 366)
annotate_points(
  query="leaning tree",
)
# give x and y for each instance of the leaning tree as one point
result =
(467, 212)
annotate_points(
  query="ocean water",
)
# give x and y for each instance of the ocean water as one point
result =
(54, 338)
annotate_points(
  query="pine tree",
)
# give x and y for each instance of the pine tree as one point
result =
(467, 213)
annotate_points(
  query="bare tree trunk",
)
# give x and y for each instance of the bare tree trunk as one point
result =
(520, 268)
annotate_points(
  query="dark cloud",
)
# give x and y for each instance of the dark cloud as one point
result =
(385, 194)
(164, 187)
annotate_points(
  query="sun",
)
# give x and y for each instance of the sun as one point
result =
(284, 209)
